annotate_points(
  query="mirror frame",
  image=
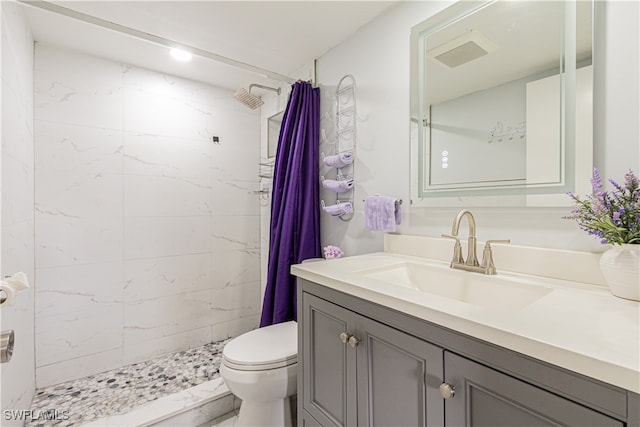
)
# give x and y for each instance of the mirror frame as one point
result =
(575, 176)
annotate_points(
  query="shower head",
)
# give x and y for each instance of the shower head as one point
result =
(250, 100)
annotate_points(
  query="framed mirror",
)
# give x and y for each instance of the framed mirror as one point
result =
(502, 104)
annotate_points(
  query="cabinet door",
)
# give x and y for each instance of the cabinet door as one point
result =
(328, 367)
(398, 378)
(486, 397)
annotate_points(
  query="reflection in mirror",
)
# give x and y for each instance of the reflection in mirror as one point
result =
(274, 123)
(501, 101)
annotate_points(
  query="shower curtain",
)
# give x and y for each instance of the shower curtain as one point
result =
(295, 206)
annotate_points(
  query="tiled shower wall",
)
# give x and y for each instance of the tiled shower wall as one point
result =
(147, 231)
(16, 242)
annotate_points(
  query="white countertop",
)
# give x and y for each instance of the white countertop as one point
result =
(576, 326)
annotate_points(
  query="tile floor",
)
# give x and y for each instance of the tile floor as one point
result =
(119, 390)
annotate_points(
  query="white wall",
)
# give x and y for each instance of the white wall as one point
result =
(147, 235)
(378, 56)
(17, 236)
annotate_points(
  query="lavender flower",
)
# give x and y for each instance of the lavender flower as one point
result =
(613, 217)
(332, 252)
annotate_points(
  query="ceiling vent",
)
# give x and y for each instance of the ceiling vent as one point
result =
(465, 48)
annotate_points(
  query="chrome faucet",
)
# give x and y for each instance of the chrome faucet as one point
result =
(471, 263)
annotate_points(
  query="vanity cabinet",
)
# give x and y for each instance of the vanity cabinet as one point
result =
(362, 364)
(361, 372)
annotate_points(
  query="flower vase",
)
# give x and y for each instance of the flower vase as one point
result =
(620, 267)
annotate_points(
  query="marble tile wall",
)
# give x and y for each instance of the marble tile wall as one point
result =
(147, 232)
(17, 225)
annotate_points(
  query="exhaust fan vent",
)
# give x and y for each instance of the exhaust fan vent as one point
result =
(462, 49)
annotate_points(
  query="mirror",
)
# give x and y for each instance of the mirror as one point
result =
(501, 103)
(274, 123)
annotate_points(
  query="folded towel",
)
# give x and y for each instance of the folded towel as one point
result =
(340, 209)
(381, 213)
(339, 160)
(338, 186)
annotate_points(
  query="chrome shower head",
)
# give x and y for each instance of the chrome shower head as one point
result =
(250, 100)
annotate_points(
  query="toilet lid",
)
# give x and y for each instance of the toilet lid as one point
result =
(264, 348)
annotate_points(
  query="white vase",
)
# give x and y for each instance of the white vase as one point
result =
(620, 267)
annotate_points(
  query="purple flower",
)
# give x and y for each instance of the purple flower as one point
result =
(332, 252)
(631, 182)
(612, 217)
(596, 183)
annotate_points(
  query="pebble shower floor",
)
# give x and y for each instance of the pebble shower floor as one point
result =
(120, 390)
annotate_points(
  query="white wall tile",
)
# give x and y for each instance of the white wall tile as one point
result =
(74, 194)
(75, 88)
(78, 288)
(159, 277)
(78, 367)
(235, 301)
(154, 114)
(161, 196)
(235, 198)
(137, 78)
(239, 232)
(157, 155)
(69, 335)
(63, 240)
(165, 316)
(81, 149)
(144, 348)
(150, 237)
(235, 267)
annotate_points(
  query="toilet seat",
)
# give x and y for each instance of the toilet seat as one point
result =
(271, 347)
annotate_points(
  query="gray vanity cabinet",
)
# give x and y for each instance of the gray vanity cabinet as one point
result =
(361, 372)
(361, 364)
(486, 397)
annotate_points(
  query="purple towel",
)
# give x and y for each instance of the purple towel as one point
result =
(338, 186)
(339, 160)
(381, 213)
(340, 209)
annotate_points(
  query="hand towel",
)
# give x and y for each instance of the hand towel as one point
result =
(381, 213)
(339, 160)
(338, 186)
(340, 209)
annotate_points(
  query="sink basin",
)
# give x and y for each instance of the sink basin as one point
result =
(496, 292)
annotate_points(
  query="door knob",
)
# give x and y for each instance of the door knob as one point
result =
(447, 391)
(353, 341)
(344, 337)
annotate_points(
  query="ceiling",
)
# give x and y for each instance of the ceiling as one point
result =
(279, 36)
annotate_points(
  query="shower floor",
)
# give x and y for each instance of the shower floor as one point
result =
(120, 390)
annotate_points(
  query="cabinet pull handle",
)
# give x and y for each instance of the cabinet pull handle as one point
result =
(344, 337)
(353, 341)
(447, 391)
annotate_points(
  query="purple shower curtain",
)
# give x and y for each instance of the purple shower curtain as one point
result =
(295, 205)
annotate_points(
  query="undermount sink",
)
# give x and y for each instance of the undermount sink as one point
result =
(496, 292)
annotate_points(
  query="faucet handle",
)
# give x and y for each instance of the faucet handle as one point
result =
(457, 249)
(487, 256)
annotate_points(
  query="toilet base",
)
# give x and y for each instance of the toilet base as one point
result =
(276, 413)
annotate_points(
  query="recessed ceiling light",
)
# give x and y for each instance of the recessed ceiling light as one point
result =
(181, 55)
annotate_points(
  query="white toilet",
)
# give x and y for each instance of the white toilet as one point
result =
(260, 367)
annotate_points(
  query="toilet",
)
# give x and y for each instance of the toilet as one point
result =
(260, 367)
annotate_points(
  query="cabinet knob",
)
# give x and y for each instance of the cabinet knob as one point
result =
(353, 341)
(344, 337)
(447, 391)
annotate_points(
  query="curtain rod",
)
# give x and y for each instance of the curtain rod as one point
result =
(70, 13)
